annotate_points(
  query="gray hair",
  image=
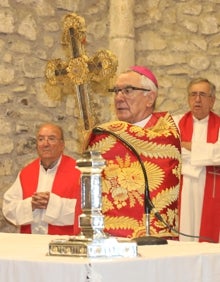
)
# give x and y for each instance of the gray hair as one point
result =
(147, 83)
(59, 128)
(201, 79)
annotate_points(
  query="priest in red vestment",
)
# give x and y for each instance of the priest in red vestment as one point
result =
(200, 193)
(155, 137)
(45, 197)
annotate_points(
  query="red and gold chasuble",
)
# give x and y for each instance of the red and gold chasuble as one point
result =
(210, 220)
(123, 185)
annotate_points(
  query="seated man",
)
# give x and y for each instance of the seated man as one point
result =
(45, 197)
(155, 137)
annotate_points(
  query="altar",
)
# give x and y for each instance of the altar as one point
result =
(24, 258)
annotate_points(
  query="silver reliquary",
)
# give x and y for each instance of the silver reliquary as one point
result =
(92, 242)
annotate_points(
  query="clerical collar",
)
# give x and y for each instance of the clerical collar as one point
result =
(143, 122)
(52, 165)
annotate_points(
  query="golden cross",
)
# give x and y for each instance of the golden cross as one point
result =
(80, 70)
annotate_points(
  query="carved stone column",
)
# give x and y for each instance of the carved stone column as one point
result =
(122, 32)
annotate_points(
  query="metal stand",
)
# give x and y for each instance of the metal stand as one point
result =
(148, 239)
(92, 242)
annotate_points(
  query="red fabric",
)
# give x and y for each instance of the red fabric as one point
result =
(66, 184)
(123, 185)
(210, 220)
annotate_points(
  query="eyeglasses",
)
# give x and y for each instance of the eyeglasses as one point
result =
(50, 139)
(128, 90)
(200, 94)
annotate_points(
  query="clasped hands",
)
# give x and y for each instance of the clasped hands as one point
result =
(40, 200)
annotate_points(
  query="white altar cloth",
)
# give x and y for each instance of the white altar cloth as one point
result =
(23, 258)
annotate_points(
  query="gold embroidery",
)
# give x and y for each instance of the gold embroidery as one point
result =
(104, 145)
(148, 149)
(155, 175)
(106, 204)
(116, 126)
(123, 180)
(122, 222)
(165, 126)
(166, 197)
(152, 149)
(177, 170)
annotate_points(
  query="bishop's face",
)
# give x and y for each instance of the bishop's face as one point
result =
(133, 105)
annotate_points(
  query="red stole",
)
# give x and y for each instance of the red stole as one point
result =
(210, 219)
(66, 184)
(123, 184)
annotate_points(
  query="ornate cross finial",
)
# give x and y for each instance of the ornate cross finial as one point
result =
(80, 71)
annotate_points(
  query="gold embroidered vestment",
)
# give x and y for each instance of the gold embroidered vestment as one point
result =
(123, 184)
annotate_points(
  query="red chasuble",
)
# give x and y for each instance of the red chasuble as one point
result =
(123, 182)
(66, 184)
(210, 220)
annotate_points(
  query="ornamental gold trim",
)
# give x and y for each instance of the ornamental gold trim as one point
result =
(103, 145)
(77, 23)
(96, 71)
(77, 70)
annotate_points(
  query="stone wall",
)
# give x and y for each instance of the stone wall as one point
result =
(178, 40)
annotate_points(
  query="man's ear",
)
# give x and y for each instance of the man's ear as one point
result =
(151, 98)
(212, 103)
